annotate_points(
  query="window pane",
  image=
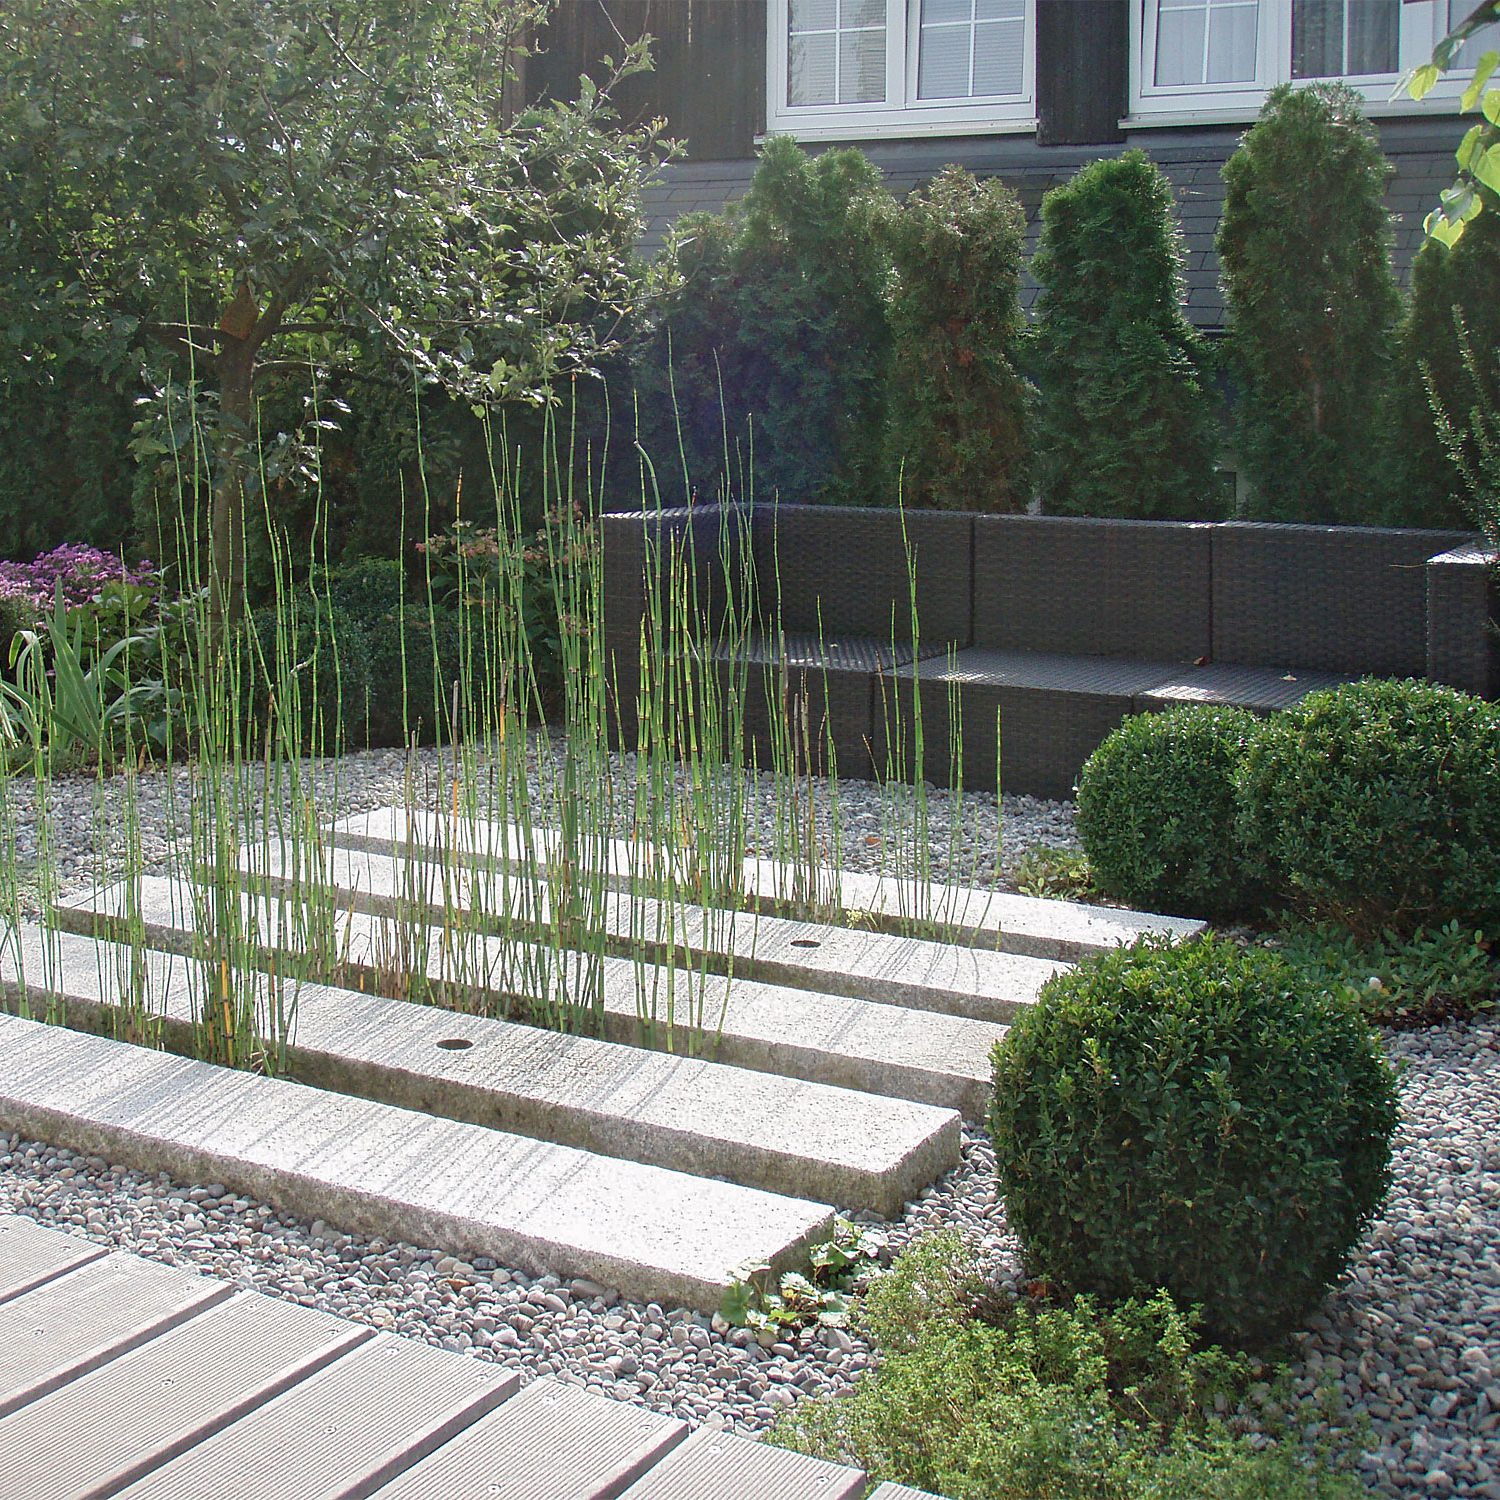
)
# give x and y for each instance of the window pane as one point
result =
(861, 67)
(814, 15)
(861, 13)
(1485, 40)
(1231, 44)
(1206, 41)
(1374, 37)
(943, 67)
(1179, 45)
(1317, 38)
(812, 79)
(999, 58)
(1345, 38)
(944, 12)
(1000, 10)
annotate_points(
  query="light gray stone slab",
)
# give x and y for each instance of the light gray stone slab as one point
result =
(919, 1055)
(382, 1170)
(552, 1442)
(339, 1434)
(719, 1466)
(1057, 930)
(139, 1411)
(76, 1322)
(786, 1135)
(985, 983)
(31, 1255)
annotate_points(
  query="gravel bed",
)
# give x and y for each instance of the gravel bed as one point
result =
(1412, 1338)
(87, 833)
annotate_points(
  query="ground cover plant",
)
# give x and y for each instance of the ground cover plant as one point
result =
(983, 1396)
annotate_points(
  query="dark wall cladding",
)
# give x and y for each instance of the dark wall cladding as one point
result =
(709, 80)
(1082, 71)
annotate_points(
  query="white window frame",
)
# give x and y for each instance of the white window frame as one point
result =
(902, 113)
(1423, 25)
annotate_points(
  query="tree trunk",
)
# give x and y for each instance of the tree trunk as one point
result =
(236, 364)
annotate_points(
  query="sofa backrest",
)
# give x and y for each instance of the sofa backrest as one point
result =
(845, 571)
(1085, 586)
(1335, 598)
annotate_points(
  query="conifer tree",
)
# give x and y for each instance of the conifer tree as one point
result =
(1126, 425)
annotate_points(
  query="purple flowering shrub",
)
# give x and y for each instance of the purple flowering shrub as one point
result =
(83, 572)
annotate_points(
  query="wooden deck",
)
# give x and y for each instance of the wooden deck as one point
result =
(121, 1376)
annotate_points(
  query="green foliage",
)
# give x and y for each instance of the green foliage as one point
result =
(1156, 811)
(770, 355)
(957, 408)
(1305, 245)
(1478, 155)
(227, 193)
(1199, 1117)
(370, 662)
(820, 1298)
(1455, 295)
(1126, 425)
(1405, 982)
(1064, 1402)
(1377, 805)
(1060, 874)
(1470, 434)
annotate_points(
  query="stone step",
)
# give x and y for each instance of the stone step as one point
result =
(96, 1434)
(344, 1431)
(984, 983)
(376, 1169)
(1032, 926)
(923, 1056)
(786, 1135)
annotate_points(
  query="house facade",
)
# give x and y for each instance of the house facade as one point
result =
(1026, 90)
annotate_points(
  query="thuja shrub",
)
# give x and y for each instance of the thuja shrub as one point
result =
(1377, 805)
(958, 407)
(1199, 1117)
(1455, 299)
(1157, 806)
(768, 363)
(1126, 425)
(1305, 245)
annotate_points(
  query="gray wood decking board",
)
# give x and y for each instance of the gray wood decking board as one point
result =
(80, 1320)
(31, 1255)
(552, 1442)
(341, 1433)
(91, 1436)
(720, 1466)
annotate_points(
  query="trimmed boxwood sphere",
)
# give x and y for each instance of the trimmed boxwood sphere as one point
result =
(1196, 1117)
(1378, 805)
(1157, 810)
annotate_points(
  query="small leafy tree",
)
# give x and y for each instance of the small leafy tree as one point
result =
(1454, 289)
(257, 186)
(1305, 245)
(1126, 426)
(958, 408)
(768, 364)
(1478, 183)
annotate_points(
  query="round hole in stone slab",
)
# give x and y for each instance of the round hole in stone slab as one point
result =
(806, 943)
(455, 1044)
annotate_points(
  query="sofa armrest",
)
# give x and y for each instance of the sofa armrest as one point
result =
(1463, 649)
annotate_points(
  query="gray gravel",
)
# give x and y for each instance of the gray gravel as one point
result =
(1412, 1338)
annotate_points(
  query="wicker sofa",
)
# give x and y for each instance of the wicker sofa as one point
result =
(1038, 635)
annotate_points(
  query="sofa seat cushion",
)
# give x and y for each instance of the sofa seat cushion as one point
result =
(835, 652)
(1262, 689)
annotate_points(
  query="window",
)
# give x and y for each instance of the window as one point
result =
(1219, 57)
(854, 68)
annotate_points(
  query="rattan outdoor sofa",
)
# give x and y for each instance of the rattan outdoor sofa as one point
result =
(1035, 636)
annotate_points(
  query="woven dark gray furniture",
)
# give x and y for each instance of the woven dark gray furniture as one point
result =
(1038, 634)
(1463, 648)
